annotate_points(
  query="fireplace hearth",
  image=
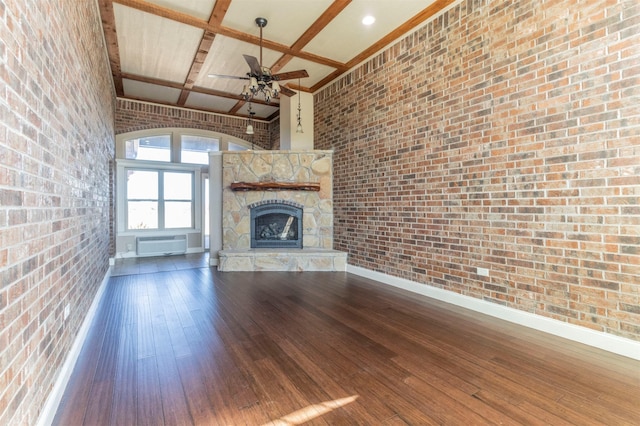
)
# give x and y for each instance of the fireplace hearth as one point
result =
(276, 225)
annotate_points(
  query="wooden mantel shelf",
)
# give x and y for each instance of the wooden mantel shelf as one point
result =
(275, 186)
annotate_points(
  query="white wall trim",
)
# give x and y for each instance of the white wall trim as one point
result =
(53, 401)
(608, 342)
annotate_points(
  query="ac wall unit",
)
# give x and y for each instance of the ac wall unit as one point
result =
(161, 246)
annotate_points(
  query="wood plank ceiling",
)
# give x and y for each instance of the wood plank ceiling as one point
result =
(163, 51)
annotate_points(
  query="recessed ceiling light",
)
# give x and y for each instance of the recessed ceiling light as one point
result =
(368, 20)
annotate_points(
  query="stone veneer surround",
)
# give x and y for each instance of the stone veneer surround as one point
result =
(279, 166)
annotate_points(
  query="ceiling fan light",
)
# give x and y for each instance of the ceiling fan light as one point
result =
(275, 86)
(253, 84)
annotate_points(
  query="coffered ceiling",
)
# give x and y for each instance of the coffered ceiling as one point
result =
(163, 51)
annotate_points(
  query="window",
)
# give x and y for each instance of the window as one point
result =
(154, 148)
(142, 199)
(195, 149)
(178, 200)
(235, 147)
(174, 145)
(159, 199)
(159, 189)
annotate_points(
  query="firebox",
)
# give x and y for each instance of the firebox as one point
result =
(276, 225)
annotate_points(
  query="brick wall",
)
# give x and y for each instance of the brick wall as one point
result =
(56, 144)
(132, 116)
(502, 135)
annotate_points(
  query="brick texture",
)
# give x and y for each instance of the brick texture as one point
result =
(132, 116)
(502, 135)
(56, 150)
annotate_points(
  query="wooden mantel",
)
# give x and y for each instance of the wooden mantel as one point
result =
(275, 186)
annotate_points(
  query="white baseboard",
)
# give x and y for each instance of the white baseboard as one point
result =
(53, 401)
(608, 342)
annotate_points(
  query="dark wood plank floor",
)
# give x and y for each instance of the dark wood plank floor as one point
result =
(196, 346)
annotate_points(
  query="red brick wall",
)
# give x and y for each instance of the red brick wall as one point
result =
(56, 144)
(503, 135)
(132, 116)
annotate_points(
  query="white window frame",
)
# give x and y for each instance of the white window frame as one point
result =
(161, 200)
(123, 235)
(176, 134)
(121, 194)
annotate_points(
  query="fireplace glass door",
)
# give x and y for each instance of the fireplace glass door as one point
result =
(276, 225)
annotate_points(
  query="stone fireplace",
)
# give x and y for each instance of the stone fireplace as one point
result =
(277, 212)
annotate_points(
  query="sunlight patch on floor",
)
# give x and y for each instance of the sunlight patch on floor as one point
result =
(310, 412)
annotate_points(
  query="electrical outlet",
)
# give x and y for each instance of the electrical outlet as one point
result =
(67, 311)
(483, 272)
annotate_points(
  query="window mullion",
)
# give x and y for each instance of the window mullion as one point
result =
(161, 209)
(176, 156)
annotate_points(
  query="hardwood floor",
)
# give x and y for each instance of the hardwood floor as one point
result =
(195, 346)
(146, 265)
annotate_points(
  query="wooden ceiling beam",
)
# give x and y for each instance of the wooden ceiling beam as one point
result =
(152, 80)
(328, 79)
(237, 107)
(234, 110)
(197, 89)
(213, 27)
(217, 15)
(320, 24)
(227, 32)
(416, 20)
(219, 11)
(163, 12)
(278, 47)
(273, 116)
(412, 23)
(111, 39)
(196, 65)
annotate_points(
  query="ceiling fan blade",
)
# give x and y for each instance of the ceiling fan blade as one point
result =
(228, 76)
(291, 75)
(254, 65)
(286, 91)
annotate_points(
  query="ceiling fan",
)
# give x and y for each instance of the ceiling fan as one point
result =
(261, 81)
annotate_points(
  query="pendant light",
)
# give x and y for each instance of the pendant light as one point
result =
(299, 127)
(249, 130)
